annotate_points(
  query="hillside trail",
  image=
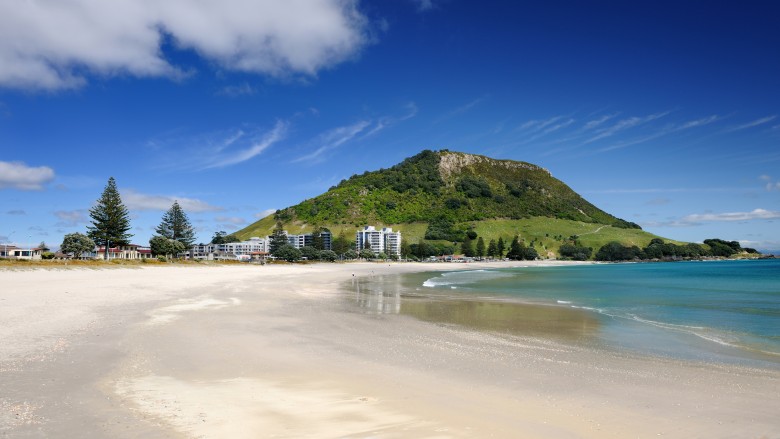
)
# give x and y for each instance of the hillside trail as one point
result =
(591, 233)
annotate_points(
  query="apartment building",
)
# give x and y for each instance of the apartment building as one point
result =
(379, 241)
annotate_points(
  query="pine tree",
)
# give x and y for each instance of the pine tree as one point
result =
(500, 247)
(480, 247)
(110, 218)
(175, 225)
(492, 250)
(278, 239)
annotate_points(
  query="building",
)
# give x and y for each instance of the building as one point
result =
(126, 252)
(300, 241)
(231, 250)
(12, 251)
(379, 241)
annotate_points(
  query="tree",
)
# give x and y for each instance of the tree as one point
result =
(366, 253)
(77, 244)
(350, 254)
(492, 250)
(341, 244)
(162, 246)
(328, 255)
(316, 238)
(575, 252)
(515, 249)
(467, 247)
(278, 239)
(43, 246)
(500, 247)
(310, 253)
(480, 247)
(175, 225)
(110, 218)
(288, 253)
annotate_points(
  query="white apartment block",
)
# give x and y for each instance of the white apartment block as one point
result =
(380, 241)
(232, 250)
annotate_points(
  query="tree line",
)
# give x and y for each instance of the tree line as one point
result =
(110, 225)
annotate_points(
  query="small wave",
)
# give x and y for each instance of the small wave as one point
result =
(564, 302)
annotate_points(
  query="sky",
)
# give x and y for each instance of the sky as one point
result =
(662, 113)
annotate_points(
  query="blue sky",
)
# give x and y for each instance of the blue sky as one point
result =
(663, 113)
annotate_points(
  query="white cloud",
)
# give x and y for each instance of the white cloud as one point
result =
(770, 184)
(595, 123)
(265, 213)
(461, 110)
(752, 124)
(138, 201)
(230, 220)
(234, 91)
(334, 138)
(17, 175)
(755, 214)
(71, 218)
(424, 5)
(625, 124)
(276, 134)
(54, 44)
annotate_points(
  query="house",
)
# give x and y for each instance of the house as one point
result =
(124, 252)
(14, 252)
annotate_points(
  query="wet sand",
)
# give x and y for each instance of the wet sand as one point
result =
(284, 351)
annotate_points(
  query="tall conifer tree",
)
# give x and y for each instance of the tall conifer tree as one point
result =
(175, 225)
(110, 218)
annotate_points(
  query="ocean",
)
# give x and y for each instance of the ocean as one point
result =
(716, 311)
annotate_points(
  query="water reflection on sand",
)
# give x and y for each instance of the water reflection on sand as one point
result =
(389, 295)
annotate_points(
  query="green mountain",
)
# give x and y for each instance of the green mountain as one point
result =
(442, 195)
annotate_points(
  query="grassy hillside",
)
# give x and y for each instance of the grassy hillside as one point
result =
(494, 198)
(457, 186)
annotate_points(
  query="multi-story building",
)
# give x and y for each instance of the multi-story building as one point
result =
(231, 250)
(379, 241)
(300, 241)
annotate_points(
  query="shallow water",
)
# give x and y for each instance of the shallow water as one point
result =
(723, 311)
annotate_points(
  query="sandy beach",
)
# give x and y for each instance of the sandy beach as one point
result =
(246, 351)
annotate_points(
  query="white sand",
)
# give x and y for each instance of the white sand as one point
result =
(277, 351)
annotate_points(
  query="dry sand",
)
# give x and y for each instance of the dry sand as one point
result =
(282, 351)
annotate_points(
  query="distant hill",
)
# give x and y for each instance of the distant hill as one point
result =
(440, 195)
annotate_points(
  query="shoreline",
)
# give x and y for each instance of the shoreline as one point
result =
(230, 351)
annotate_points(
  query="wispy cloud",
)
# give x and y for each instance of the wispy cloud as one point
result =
(595, 123)
(752, 124)
(769, 183)
(227, 158)
(660, 190)
(460, 110)
(756, 214)
(16, 212)
(264, 213)
(138, 201)
(388, 121)
(332, 139)
(231, 220)
(238, 90)
(17, 175)
(668, 129)
(71, 218)
(623, 125)
(701, 218)
(424, 5)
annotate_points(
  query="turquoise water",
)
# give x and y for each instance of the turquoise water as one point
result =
(723, 311)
